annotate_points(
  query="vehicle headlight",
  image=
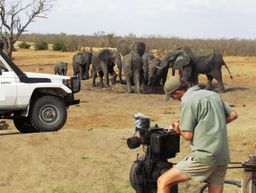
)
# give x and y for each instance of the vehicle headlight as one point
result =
(76, 84)
(73, 83)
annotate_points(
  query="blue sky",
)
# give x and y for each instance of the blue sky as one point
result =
(179, 18)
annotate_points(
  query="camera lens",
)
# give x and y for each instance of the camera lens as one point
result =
(133, 142)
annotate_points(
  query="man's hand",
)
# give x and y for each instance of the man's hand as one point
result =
(232, 116)
(176, 127)
(188, 135)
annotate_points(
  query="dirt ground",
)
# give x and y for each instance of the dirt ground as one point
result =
(90, 155)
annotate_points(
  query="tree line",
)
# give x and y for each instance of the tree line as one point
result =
(235, 47)
(12, 28)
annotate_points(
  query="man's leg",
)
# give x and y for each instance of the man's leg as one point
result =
(215, 188)
(170, 178)
(216, 180)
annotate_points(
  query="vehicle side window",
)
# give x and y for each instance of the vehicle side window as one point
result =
(2, 68)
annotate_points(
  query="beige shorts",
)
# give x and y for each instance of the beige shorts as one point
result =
(192, 168)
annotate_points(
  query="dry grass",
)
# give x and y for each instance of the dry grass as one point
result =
(90, 154)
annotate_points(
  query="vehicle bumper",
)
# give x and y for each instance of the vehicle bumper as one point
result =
(69, 99)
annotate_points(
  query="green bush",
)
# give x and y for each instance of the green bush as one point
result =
(41, 45)
(24, 45)
(58, 45)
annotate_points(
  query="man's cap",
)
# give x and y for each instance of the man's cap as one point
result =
(171, 85)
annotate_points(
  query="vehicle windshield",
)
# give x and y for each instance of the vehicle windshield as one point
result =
(7, 65)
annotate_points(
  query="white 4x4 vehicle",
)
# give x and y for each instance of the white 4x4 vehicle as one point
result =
(36, 102)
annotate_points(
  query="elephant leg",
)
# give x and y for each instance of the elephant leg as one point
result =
(114, 75)
(94, 75)
(87, 68)
(120, 77)
(209, 83)
(194, 80)
(80, 73)
(128, 84)
(106, 81)
(75, 73)
(137, 82)
(221, 87)
(101, 74)
(120, 73)
(114, 78)
(83, 72)
(218, 77)
(143, 82)
(165, 73)
(145, 74)
(105, 74)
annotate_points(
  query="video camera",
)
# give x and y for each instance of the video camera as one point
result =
(161, 144)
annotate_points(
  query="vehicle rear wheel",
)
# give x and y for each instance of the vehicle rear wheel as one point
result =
(24, 125)
(48, 113)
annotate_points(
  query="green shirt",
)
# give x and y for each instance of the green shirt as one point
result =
(204, 113)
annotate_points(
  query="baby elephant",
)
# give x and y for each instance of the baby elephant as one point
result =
(61, 68)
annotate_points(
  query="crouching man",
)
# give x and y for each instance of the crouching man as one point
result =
(203, 122)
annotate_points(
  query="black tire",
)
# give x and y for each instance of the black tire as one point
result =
(24, 125)
(203, 188)
(133, 177)
(48, 113)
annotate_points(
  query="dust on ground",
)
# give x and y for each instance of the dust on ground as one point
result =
(90, 155)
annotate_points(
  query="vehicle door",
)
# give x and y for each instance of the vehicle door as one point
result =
(8, 86)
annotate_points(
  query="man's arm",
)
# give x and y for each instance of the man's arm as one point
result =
(231, 117)
(230, 114)
(188, 135)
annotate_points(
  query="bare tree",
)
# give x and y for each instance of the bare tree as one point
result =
(16, 17)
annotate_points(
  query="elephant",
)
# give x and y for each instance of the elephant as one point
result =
(103, 63)
(139, 48)
(146, 58)
(61, 68)
(126, 47)
(81, 64)
(156, 74)
(133, 70)
(191, 63)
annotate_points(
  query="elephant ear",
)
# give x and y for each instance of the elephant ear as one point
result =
(79, 58)
(182, 60)
(114, 55)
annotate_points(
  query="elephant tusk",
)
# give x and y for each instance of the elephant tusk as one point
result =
(158, 67)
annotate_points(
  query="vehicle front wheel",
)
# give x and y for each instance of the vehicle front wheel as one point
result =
(48, 113)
